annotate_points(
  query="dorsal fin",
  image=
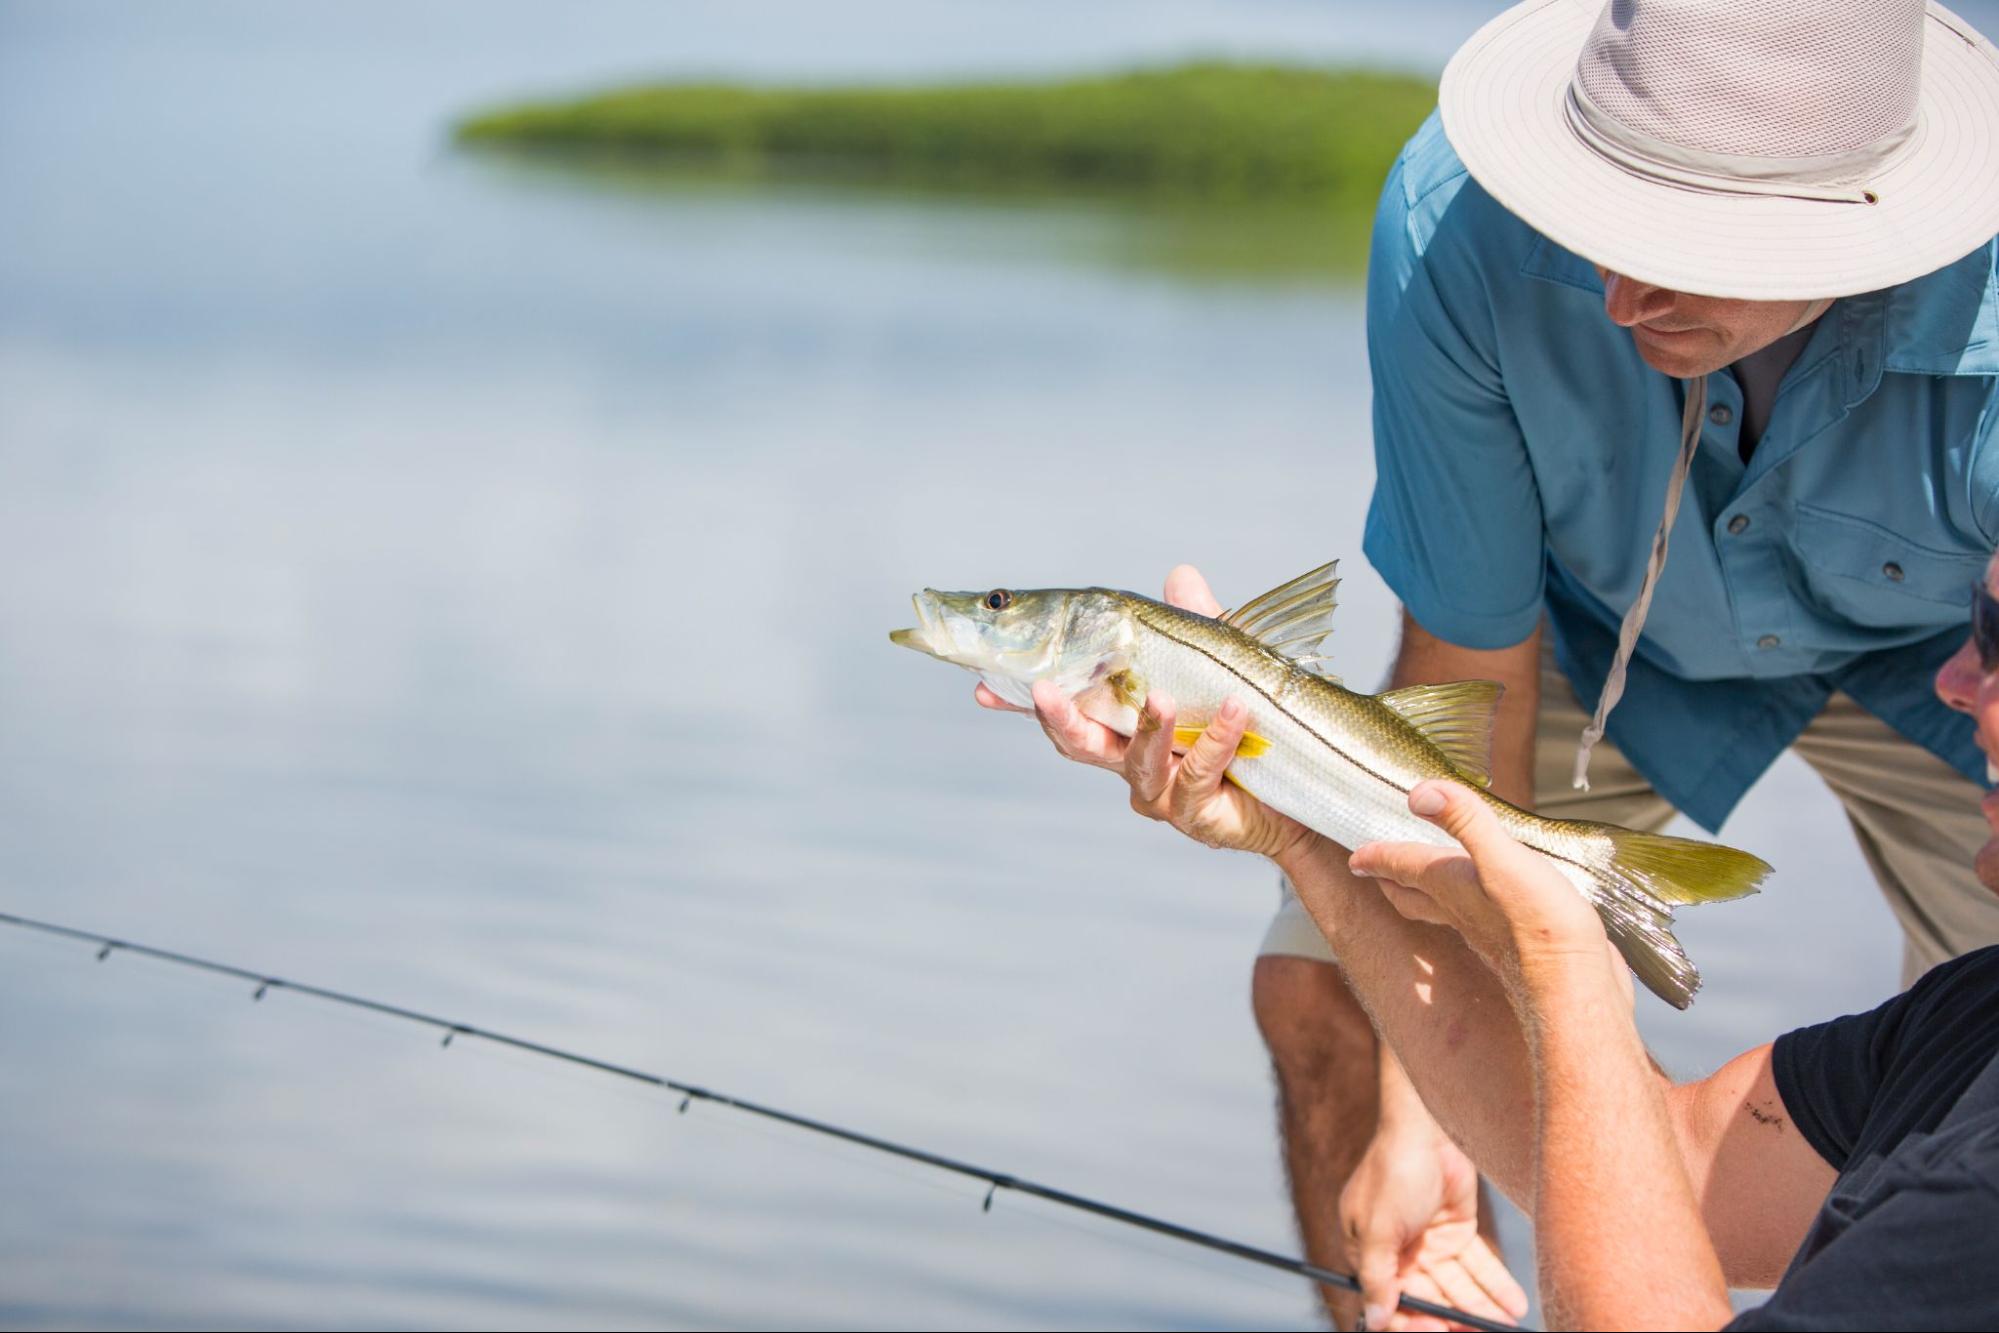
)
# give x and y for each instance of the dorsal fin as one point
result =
(1294, 617)
(1456, 718)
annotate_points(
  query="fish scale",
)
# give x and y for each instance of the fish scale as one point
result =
(1305, 773)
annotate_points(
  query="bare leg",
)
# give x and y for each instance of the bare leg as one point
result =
(1322, 1049)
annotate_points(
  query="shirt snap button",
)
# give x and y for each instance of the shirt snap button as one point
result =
(1720, 414)
(1893, 571)
(1739, 524)
(1768, 641)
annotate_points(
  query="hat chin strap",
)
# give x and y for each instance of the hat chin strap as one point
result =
(1634, 619)
(1813, 309)
(1655, 563)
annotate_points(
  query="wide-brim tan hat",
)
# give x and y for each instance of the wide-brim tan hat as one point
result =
(1760, 149)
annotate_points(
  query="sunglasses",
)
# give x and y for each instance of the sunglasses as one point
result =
(1985, 626)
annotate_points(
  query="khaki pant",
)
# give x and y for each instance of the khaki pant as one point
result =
(1916, 817)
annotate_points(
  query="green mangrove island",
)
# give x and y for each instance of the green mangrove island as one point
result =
(1261, 149)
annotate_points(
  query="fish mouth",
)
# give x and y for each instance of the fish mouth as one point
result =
(921, 636)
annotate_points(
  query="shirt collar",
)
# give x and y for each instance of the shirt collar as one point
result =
(1946, 322)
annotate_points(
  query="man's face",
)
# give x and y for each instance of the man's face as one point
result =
(1687, 336)
(1965, 685)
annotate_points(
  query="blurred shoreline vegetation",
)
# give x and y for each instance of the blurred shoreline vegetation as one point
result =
(1216, 169)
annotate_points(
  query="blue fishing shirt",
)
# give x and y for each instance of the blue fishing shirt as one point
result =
(1522, 450)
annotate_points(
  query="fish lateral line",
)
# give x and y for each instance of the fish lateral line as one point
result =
(1270, 699)
(1158, 628)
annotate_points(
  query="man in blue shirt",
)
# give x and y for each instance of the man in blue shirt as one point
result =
(1548, 385)
(1835, 513)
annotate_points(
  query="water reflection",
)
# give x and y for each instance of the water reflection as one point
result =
(1281, 243)
(538, 672)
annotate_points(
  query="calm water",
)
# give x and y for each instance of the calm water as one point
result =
(459, 584)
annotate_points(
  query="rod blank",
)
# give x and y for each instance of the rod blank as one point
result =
(691, 1093)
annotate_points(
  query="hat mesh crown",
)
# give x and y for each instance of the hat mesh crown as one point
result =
(1764, 78)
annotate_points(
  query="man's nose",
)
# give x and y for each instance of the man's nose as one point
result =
(1628, 301)
(1959, 678)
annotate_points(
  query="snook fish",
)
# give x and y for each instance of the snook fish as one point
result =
(1339, 762)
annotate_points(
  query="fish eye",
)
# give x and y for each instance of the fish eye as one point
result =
(999, 599)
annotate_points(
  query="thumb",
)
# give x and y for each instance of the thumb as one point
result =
(1460, 812)
(1379, 1268)
(1188, 590)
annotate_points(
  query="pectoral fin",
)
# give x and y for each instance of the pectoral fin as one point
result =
(1127, 687)
(1456, 718)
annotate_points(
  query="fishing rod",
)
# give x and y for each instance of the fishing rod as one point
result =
(690, 1093)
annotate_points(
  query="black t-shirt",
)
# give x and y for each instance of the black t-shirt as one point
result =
(1904, 1101)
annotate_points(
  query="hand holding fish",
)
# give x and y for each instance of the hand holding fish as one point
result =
(1186, 588)
(1186, 791)
(1513, 908)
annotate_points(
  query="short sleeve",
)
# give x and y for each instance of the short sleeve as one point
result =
(1455, 526)
(1828, 1075)
(1831, 1074)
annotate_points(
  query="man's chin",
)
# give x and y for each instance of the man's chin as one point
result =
(1683, 355)
(1681, 367)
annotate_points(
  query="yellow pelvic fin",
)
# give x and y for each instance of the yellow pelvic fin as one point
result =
(1253, 746)
(1456, 718)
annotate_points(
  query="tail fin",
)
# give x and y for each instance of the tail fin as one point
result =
(1645, 877)
(1642, 930)
(1682, 871)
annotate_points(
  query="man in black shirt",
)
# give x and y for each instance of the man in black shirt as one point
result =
(1904, 1102)
(1852, 1166)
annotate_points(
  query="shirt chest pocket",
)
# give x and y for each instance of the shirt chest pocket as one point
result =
(1871, 576)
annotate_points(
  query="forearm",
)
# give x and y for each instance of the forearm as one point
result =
(1438, 1007)
(1422, 658)
(1619, 1234)
(1593, 1094)
(1574, 1130)
(1402, 1111)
